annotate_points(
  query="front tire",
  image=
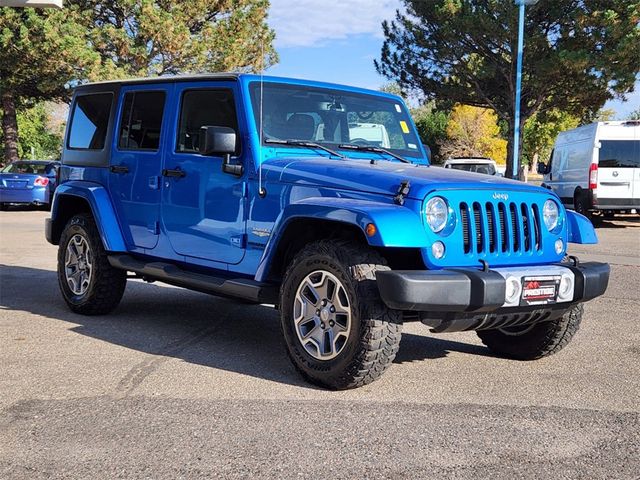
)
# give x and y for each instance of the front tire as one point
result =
(89, 284)
(537, 341)
(338, 332)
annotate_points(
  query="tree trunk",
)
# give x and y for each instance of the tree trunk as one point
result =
(9, 127)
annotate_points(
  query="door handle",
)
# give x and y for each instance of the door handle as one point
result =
(119, 169)
(173, 173)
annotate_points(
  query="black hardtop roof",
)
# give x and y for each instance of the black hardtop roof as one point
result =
(162, 79)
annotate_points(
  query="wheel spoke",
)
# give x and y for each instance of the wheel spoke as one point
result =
(311, 293)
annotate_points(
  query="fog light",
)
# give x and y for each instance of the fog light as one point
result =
(559, 246)
(566, 286)
(512, 290)
(438, 250)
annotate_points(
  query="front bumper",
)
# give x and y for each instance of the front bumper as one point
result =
(470, 290)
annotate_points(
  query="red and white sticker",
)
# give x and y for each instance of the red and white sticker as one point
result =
(540, 290)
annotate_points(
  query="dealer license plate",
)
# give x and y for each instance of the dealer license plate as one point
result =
(540, 290)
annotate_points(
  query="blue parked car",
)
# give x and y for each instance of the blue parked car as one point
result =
(316, 198)
(28, 182)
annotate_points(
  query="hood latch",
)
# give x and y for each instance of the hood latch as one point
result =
(403, 191)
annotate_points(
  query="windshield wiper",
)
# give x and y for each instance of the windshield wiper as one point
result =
(369, 148)
(300, 143)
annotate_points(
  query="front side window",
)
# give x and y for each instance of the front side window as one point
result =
(333, 118)
(619, 154)
(89, 121)
(204, 108)
(141, 121)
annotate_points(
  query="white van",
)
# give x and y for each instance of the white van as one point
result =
(597, 167)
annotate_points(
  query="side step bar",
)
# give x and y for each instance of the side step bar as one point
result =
(244, 288)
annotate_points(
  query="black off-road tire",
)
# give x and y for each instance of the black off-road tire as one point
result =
(375, 329)
(106, 284)
(535, 342)
(580, 204)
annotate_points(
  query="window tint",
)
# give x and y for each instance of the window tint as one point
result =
(202, 108)
(620, 154)
(90, 121)
(141, 121)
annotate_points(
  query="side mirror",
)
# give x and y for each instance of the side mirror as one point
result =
(542, 168)
(220, 141)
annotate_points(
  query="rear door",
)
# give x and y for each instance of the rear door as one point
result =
(136, 162)
(618, 165)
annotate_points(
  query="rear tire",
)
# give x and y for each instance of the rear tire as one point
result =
(537, 341)
(89, 284)
(580, 204)
(355, 337)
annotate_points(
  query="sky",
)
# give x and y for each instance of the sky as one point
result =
(337, 41)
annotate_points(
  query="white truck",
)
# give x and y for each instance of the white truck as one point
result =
(596, 168)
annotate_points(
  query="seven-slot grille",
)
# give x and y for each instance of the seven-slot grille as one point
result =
(500, 227)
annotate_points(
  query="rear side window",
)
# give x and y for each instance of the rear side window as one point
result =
(141, 121)
(89, 121)
(619, 154)
(202, 108)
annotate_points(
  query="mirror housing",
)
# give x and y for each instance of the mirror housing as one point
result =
(216, 141)
(541, 168)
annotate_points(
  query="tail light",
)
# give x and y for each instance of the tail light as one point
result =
(593, 176)
(41, 182)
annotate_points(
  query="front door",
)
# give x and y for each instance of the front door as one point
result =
(203, 208)
(136, 162)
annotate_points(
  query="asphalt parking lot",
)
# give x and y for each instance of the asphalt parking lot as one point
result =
(175, 384)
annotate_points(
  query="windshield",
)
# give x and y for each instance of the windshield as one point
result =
(24, 167)
(334, 117)
(485, 168)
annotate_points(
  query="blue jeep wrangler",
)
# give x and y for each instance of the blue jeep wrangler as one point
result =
(316, 198)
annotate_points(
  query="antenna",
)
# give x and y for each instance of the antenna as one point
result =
(261, 191)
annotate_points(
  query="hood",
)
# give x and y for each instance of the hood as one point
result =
(383, 177)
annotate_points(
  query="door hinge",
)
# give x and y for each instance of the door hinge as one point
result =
(154, 182)
(154, 228)
(239, 241)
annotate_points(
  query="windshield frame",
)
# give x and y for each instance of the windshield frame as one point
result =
(417, 156)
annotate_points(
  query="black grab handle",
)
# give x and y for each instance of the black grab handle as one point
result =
(119, 169)
(173, 173)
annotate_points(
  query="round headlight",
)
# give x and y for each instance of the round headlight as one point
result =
(550, 214)
(437, 213)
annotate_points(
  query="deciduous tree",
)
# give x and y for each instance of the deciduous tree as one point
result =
(578, 54)
(474, 132)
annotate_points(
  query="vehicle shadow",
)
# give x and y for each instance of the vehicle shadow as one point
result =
(620, 221)
(193, 327)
